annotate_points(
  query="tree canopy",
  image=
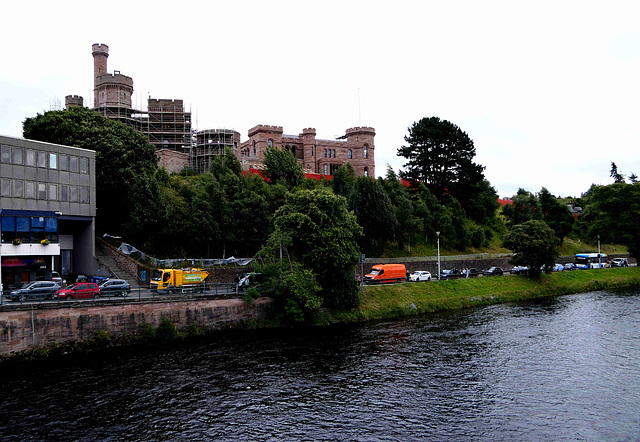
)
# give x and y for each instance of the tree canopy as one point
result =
(534, 245)
(125, 164)
(282, 167)
(613, 213)
(315, 229)
(440, 155)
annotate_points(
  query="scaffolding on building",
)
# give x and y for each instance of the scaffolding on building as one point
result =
(165, 123)
(210, 143)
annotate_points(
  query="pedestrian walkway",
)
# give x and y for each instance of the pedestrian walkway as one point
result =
(114, 268)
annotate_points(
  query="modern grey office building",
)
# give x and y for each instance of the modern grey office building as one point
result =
(47, 210)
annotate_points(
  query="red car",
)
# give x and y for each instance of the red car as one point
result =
(79, 290)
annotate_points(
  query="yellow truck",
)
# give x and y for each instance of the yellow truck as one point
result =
(179, 281)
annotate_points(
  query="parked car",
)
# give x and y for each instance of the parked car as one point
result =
(558, 268)
(570, 266)
(55, 277)
(472, 272)
(79, 290)
(420, 275)
(520, 270)
(619, 262)
(114, 287)
(493, 271)
(35, 290)
(451, 274)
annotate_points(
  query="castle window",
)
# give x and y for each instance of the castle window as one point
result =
(366, 171)
(365, 151)
(270, 142)
(349, 154)
(326, 170)
(334, 153)
(293, 150)
(325, 153)
(254, 148)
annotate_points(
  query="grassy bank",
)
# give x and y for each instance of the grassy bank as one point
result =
(392, 301)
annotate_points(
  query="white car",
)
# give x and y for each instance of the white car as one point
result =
(420, 275)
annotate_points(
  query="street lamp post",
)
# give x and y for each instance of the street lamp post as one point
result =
(438, 234)
(599, 263)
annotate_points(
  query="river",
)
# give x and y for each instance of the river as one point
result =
(562, 368)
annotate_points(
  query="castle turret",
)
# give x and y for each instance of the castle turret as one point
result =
(111, 90)
(73, 101)
(100, 55)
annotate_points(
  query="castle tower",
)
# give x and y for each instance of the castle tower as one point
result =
(73, 101)
(110, 90)
(100, 55)
(361, 140)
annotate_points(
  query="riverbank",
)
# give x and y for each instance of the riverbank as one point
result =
(400, 300)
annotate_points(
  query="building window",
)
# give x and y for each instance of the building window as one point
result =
(254, 148)
(30, 189)
(29, 229)
(349, 154)
(30, 158)
(73, 164)
(53, 161)
(270, 143)
(63, 162)
(366, 171)
(365, 151)
(5, 187)
(334, 153)
(84, 195)
(325, 153)
(51, 229)
(42, 191)
(53, 192)
(293, 150)
(18, 188)
(326, 170)
(73, 194)
(17, 155)
(5, 154)
(84, 165)
(37, 228)
(42, 159)
(64, 193)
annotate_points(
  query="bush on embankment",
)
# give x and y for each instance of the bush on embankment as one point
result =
(397, 300)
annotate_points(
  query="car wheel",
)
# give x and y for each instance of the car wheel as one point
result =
(69, 297)
(96, 296)
(21, 298)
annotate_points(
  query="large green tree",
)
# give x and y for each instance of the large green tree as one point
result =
(440, 155)
(314, 228)
(546, 207)
(534, 245)
(127, 194)
(282, 167)
(375, 213)
(613, 213)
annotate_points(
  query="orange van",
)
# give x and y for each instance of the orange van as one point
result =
(386, 273)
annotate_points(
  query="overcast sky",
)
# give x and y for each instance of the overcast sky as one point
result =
(547, 90)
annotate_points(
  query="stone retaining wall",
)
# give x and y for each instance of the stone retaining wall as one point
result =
(23, 329)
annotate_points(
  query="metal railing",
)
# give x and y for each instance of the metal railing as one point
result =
(221, 290)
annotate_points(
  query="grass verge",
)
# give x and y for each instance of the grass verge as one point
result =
(397, 300)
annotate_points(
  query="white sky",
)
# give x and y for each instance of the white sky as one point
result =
(547, 90)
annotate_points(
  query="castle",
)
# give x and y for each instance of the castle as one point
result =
(168, 127)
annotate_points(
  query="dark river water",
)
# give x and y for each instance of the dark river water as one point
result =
(563, 368)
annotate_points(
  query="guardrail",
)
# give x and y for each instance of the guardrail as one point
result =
(137, 294)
